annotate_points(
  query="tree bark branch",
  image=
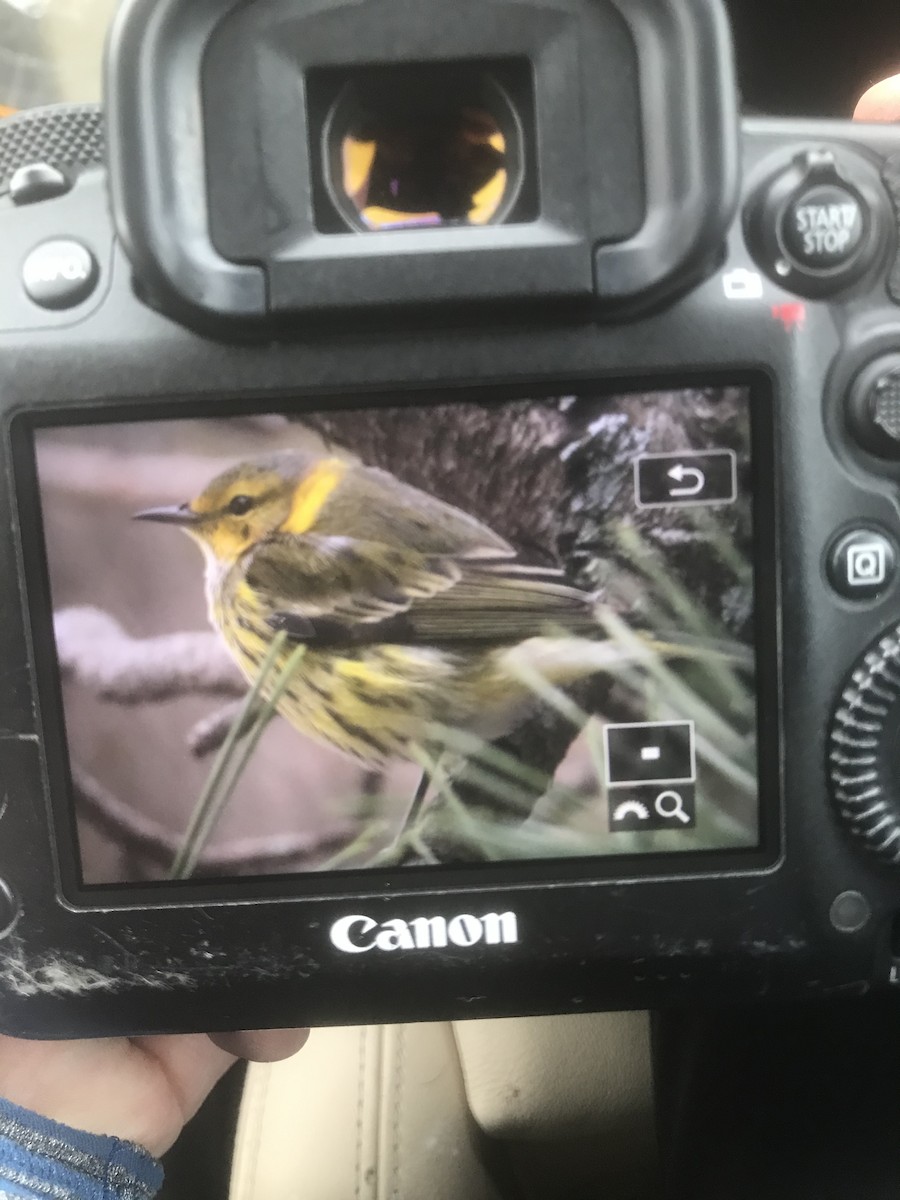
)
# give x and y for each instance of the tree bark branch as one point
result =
(95, 650)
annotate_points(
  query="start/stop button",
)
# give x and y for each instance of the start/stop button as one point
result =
(822, 227)
(819, 223)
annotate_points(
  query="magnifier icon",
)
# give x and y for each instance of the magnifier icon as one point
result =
(670, 806)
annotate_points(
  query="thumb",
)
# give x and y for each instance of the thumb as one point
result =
(262, 1046)
(881, 102)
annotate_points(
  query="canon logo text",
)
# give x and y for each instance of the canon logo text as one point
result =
(358, 934)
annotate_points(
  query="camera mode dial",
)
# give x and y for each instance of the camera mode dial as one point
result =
(818, 225)
(864, 749)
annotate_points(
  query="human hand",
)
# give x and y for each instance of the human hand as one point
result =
(139, 1089)
(881, 102)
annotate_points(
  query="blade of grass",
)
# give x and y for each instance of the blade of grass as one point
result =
(557, 699)
(683, 698)
(684, 606)
(443, 786)
(506, 791)
(360, 845)
(472, 746)
(245, 751)
(240, 726)
(233, 758)
(504, 776)
(649, 563)
(422, 849)
(740, 777)
(704, 522)
(548, 692)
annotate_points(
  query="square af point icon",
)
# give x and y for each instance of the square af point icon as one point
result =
(650, 752)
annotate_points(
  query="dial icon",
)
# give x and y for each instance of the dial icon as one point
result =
(631, 808)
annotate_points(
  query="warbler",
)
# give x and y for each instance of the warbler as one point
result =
(414, 613)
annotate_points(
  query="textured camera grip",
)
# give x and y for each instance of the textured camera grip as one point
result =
(891, 175)
(63, 135)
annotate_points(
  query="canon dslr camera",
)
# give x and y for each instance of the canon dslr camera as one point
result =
(510, 624)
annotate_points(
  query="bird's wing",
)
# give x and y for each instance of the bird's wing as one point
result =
(344, 591)
(307, 577)
(503, 604)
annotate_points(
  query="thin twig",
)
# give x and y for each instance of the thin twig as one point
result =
(150, 839)
(210, 733)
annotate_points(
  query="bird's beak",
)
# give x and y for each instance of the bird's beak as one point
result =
(174, 514)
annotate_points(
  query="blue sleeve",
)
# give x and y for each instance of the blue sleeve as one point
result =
(43, 1160)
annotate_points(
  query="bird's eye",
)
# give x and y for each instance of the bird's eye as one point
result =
(238, 505)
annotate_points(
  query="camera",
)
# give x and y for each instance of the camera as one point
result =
(451, 561)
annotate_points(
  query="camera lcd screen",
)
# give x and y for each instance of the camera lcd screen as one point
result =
(419, 632)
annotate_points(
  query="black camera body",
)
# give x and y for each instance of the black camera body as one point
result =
(512, 276)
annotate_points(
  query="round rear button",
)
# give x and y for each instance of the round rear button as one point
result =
(873, 406)
(862, 564)
(60, 274)
(820, 223)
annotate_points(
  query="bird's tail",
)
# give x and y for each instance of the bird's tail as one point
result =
(563, 661)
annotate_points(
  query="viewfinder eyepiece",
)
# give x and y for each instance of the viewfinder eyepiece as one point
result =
(423, 147)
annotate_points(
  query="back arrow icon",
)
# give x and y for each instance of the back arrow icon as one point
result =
(680, 473)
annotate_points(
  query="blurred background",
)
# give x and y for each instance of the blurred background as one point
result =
(51, 50)
(800, 57)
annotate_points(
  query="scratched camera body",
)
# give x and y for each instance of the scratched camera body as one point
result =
(538, 424)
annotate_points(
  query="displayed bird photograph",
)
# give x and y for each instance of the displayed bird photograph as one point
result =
(428, 633)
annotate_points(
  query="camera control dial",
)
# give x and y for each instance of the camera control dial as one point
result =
(864, 749)
(874, 407)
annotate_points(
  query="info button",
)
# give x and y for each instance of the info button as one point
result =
(60, 274)
(691, 477)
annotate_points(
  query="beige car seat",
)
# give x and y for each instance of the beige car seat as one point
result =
(549, 1107)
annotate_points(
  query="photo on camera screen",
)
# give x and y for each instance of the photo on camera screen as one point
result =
(427, 634)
